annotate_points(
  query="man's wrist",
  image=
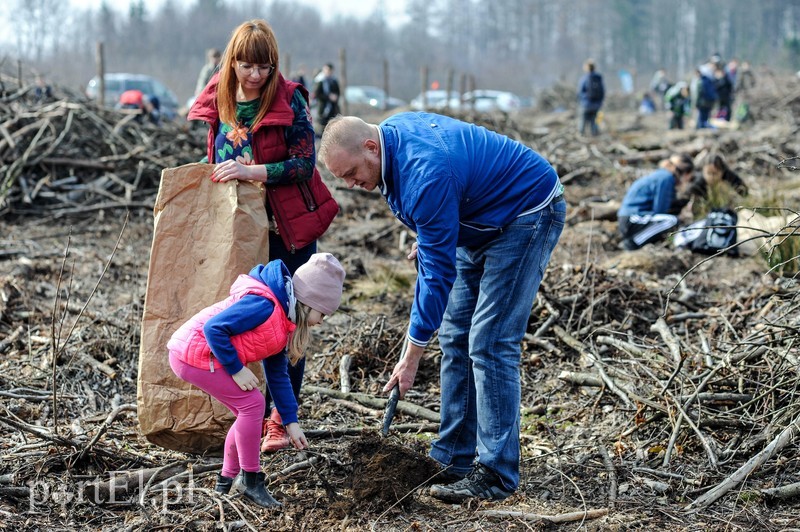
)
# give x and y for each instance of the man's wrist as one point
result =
(414, 351)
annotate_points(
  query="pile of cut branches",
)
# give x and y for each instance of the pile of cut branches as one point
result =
(72, 157)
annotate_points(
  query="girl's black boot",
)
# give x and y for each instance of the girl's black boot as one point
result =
(223, 484)
(256, 490)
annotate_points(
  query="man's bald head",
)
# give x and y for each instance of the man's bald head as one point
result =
(346, 133)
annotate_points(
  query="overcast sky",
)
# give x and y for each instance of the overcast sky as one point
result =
(329, 8)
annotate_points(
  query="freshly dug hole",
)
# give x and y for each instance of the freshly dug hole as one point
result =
(386, 469)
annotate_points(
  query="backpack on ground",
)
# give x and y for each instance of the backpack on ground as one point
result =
(712, 234)
(594, 88)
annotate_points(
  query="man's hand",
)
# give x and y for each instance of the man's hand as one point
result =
(413, 253)
(245, 379)
(406, 370)
(296, 436)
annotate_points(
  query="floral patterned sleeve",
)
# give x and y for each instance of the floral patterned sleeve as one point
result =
(300, 140)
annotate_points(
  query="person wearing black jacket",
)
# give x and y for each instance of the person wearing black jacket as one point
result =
(714, 170)
(724, 93)
(326, 93)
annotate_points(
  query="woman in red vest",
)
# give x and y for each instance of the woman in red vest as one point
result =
(260, 129)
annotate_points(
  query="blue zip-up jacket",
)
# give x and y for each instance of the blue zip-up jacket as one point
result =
(455, 184)
(246, 314)
(651, 194)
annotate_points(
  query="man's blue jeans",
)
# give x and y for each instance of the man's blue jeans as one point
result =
(484, 323)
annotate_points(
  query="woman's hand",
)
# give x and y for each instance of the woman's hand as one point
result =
(232, 169)
(246, 379)
(296, 436)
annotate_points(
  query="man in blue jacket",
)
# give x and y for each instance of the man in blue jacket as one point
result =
(487, 212)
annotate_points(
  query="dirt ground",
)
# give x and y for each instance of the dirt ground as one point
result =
(604, 446)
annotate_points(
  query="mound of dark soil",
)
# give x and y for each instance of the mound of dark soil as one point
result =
(387, 470)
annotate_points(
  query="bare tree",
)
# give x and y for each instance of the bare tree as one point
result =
(37, 26)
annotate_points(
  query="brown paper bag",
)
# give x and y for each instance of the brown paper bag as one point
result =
(205, 234)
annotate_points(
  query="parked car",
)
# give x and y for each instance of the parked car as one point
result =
(117, 83)
(394, 103)
(371, 96)
(436, 99)
(492, 100)
(365, 95)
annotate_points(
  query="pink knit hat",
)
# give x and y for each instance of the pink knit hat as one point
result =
(318, 283)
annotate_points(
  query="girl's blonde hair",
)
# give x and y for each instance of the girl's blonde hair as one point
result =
(299, 340)
(252, 42)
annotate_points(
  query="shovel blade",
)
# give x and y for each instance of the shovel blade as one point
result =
(391, 406)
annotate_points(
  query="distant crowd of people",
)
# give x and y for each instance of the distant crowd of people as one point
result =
(699, 191)
(710, 92)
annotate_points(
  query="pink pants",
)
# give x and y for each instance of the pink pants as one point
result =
(242, 442)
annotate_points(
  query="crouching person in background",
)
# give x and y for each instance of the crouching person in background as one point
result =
(147, 106)
(265, 318)
(644, 215)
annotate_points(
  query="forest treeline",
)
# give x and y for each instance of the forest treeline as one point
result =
(517, 45)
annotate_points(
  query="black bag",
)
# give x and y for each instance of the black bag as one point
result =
(594, 88)
(712, 234)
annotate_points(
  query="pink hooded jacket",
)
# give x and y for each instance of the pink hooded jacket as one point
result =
(189, 344)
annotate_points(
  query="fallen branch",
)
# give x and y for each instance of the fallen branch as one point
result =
(789, 491)
(712, 456)
(581, 379)
(120, 482)
(612, 475)
(344, 373)
(415, 428)
(359, 408)
(579, 347)
(95, 364)
(786, 436)
(11, 338)
(566, 178)
(662, 328)
(39, 432)
(107, 423)
(570, 517)
(292, 468)
(622, 346)
(375, 402)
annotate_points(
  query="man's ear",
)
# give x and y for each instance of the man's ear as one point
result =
(372, 145)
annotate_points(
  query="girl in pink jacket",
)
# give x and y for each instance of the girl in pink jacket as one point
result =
(265, 318)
